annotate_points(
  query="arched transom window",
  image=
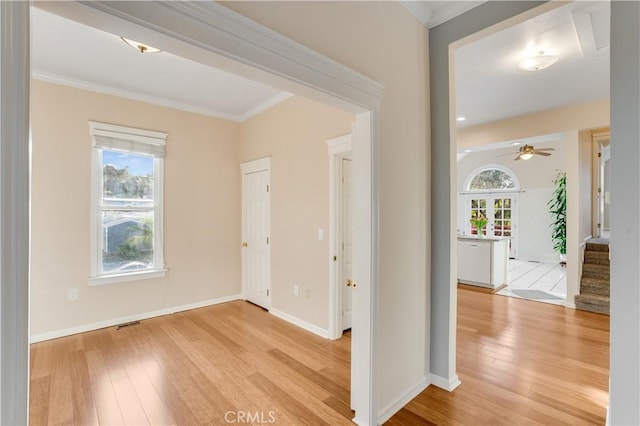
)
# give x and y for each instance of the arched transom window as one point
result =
(491, 179)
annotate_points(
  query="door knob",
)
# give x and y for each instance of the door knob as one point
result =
(245, 245)
(351, 283)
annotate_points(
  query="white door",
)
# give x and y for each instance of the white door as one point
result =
(603, 190)
(256, 251)
(347, 242)
(500, 211)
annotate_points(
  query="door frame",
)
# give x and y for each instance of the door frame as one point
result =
(598, 154)
(339, 148)
(232, 42)
(248, 167)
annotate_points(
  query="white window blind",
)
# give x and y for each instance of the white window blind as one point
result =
(128, 139)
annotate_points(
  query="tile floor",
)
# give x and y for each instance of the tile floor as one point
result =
(547, 277)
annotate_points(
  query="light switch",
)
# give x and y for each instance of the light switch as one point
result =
(320, 234)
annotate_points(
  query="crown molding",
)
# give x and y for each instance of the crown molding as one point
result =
(214, 28)
(141, 97)
(265, 105)
(431, 15)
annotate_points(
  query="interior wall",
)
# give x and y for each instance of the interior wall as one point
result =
(624, 390)
(383, 41)
(293, 134)
(536, 183)
(201, 199)
(590, 115)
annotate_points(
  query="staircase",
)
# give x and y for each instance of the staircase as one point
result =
(594, 283)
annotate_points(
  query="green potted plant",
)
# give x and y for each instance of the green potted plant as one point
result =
(558, 209)
(478, 222)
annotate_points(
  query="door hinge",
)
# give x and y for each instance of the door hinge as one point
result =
(335, 258)
(267, 240)
(599, 190)
(267, 292)
(267, 188)
(599, 154)
(598, 226)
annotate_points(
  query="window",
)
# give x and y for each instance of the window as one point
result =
(127, 189)
(491, 179)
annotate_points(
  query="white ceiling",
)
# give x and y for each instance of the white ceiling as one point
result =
(67, 52)
(490, 86)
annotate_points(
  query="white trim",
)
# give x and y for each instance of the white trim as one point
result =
(339, 148)
(258, 165)
(122, 278)
(300, 323)
(154, 100)
(446, 384)
(396, 406)
(214, 34)
(137, 317)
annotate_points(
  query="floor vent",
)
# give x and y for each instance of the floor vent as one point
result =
(127, 324)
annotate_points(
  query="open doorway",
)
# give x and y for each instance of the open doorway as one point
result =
(517, 124)
(362, 255)
(502, 123)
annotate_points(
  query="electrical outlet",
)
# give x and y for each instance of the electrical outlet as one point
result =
(296, 290)
(72, 294)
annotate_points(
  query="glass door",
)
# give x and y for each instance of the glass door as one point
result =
(499, 209)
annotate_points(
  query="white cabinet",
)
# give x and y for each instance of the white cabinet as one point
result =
(483, 261)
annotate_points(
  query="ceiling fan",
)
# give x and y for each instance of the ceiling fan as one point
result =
(527, 151)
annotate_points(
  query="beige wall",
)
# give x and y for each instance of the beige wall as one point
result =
(590, 115)
(293, 134)
(383, 41)
(202, 200)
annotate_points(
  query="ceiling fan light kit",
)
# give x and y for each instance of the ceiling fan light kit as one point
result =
(526, 152)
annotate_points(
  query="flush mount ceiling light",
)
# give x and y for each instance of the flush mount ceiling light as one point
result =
(141, 47)
(538, 62)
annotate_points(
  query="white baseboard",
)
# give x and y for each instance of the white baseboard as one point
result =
(446, 384)
(570, 305)
(137, 317)
(300, 323)
(396, 406)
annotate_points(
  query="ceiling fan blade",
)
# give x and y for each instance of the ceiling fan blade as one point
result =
(508, 153)
(546, 154)
(517, 157)
(545, 149)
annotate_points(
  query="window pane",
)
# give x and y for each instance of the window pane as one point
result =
(474, 204)
(491, 179)
(127, 241)
(483, 204)
(497, 203)
(507, 214)
(127, 178)
(507, 203)
(497, 214)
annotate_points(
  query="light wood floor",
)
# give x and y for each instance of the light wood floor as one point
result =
(193, 368)
(520, 362)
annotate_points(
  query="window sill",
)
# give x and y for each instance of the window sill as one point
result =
(130, 276)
